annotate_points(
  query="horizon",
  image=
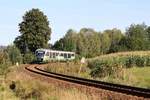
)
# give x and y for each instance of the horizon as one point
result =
(98, 15)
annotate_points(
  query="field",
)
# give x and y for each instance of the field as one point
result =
(141, 75)
(138, 77)
(135, 76)
(27, 89)
(69, 68)
(128, 68)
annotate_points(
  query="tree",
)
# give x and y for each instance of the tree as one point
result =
(35, 31)
(106, 41)
(67, 43)
(85, 43)
(137, 37)
(148, 36)
(88, 43)
(59, 45)
(70, 41)
(116, 36)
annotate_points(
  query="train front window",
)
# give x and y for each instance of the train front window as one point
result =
(40, 53)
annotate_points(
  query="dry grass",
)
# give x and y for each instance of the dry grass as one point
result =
(119, 54)
(134, 76)
(69, 68)
(29, 88)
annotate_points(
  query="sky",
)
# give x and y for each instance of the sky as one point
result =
(73, 14)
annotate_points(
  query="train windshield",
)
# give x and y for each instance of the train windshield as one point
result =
(40, 53)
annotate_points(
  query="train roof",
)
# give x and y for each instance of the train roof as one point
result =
(55, 51)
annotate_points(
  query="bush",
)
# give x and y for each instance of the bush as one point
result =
(100, 68)
(147, 61)
(14, 54)
(107, 65)
(140, 61)
(25, 93)
(129, 62)
(28, 58)
(4, 62)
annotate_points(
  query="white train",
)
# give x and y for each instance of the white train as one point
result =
(45, 55)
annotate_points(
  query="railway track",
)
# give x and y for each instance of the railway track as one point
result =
(128, 90)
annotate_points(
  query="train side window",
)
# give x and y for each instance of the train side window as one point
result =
(72, 54)
(50, 55)
(57, 54)
(53, 55)
(47, 53)
(69, 55)
(61, 54)
(65, 55)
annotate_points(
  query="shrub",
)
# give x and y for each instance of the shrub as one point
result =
(140, 61)
(28, 58)
(129, 62)
(4, 62)
(25, 93)
(14, 54)
(100, 68)
(110, 65)
(147, 63)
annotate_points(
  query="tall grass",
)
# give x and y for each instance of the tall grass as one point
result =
(69, 68)
(113, 63)
(30, 88)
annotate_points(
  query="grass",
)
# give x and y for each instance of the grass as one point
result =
(133, 76)
(141, 75)
(135, 68)
(29, 88)
(119, 54)
(32, 89)
(69, 68)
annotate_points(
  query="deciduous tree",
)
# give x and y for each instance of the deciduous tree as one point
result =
(35, 31)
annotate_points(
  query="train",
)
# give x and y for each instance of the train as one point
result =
(46, 55)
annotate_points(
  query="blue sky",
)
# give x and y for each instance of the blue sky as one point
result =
(75, 14)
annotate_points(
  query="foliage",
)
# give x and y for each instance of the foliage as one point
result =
(35, 31)
(89, 43)
(27, 88)
(109, 65)
(137, 37)
(4, 62)
(138, 76)
(67, 43)
(14, 54)
(85, 43)
(69, 68)
(103, 68)
(148, 37)
(115, 36)
(28, 57)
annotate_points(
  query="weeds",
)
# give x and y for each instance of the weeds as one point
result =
(112, 64)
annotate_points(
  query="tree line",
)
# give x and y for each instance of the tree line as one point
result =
(90, 43)
(35, 33)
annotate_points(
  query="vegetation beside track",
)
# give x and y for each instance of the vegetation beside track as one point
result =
(69, 68)
(129, 68)
(19, 86)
